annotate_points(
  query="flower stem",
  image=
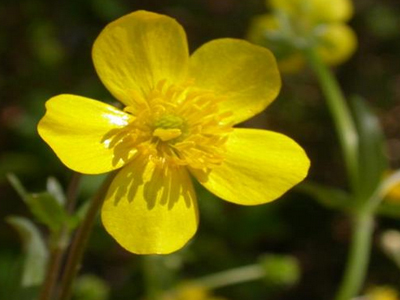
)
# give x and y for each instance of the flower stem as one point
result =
(362, 217)
(343, 121)
(151, 277)
(59, 246)
(72, 191)
(80, 240)
(233, 276)
(53, 270)
(359, 255)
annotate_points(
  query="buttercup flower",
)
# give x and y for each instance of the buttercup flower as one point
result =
(297, 24)
(393, 194)
(382, 293)
(177, 123)
(190, 291)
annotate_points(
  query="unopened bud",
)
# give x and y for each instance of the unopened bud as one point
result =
(280, 270)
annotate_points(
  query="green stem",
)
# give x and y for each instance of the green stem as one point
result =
(59, 246)
(152, 277)
(233, 276)
(53, 270)
(363, 225)
(80, 240)
(362, 217)
(72, 192)
(343, 121)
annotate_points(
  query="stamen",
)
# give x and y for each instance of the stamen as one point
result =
(177, 125)
(167, 134)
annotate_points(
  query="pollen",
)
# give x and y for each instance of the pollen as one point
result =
(177, 125)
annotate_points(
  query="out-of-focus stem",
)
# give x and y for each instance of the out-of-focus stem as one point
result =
(363, 215)
(233, 276)
(59, 245)
(356, 267)
(152, 277)
(80, 240)
(341, 115)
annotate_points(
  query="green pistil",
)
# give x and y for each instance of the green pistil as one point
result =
(169, 122)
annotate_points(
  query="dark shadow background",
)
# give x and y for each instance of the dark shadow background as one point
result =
(45, 49)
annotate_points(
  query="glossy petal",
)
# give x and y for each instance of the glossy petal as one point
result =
(77, 129)
(135, 52)
(259, 167)
(151, 209)
(244, 75)
(337, 42)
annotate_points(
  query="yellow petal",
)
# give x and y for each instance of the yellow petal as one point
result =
(265, 30)
(132, 54)
(151, 209)
(316, 11)
(259, 167)
(244, 75)
(289, 6)
(332, 10)
(261, 26)
(337, 43)
(76, 128)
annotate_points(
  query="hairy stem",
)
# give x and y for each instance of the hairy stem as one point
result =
(80, 240)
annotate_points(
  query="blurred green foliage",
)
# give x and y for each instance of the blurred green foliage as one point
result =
(45, 50)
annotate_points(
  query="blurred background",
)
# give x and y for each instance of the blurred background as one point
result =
(45, 50)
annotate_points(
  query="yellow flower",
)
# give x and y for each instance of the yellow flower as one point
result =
(190, 291)
(297, 24)
(382, 293)
(177, 123)
(393, 194)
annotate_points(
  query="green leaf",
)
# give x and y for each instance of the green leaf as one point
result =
(36, 253)
(280, 270)
(372, 160)
(45, 207)
(11, 264)
(17, 185)
(327, 196)
(47, 210)
(55, 189)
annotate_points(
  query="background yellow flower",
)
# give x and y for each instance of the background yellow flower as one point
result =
(295, 25)
(382, 293)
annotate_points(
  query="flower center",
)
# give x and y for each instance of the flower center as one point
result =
(177, 125)
(168, 127)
